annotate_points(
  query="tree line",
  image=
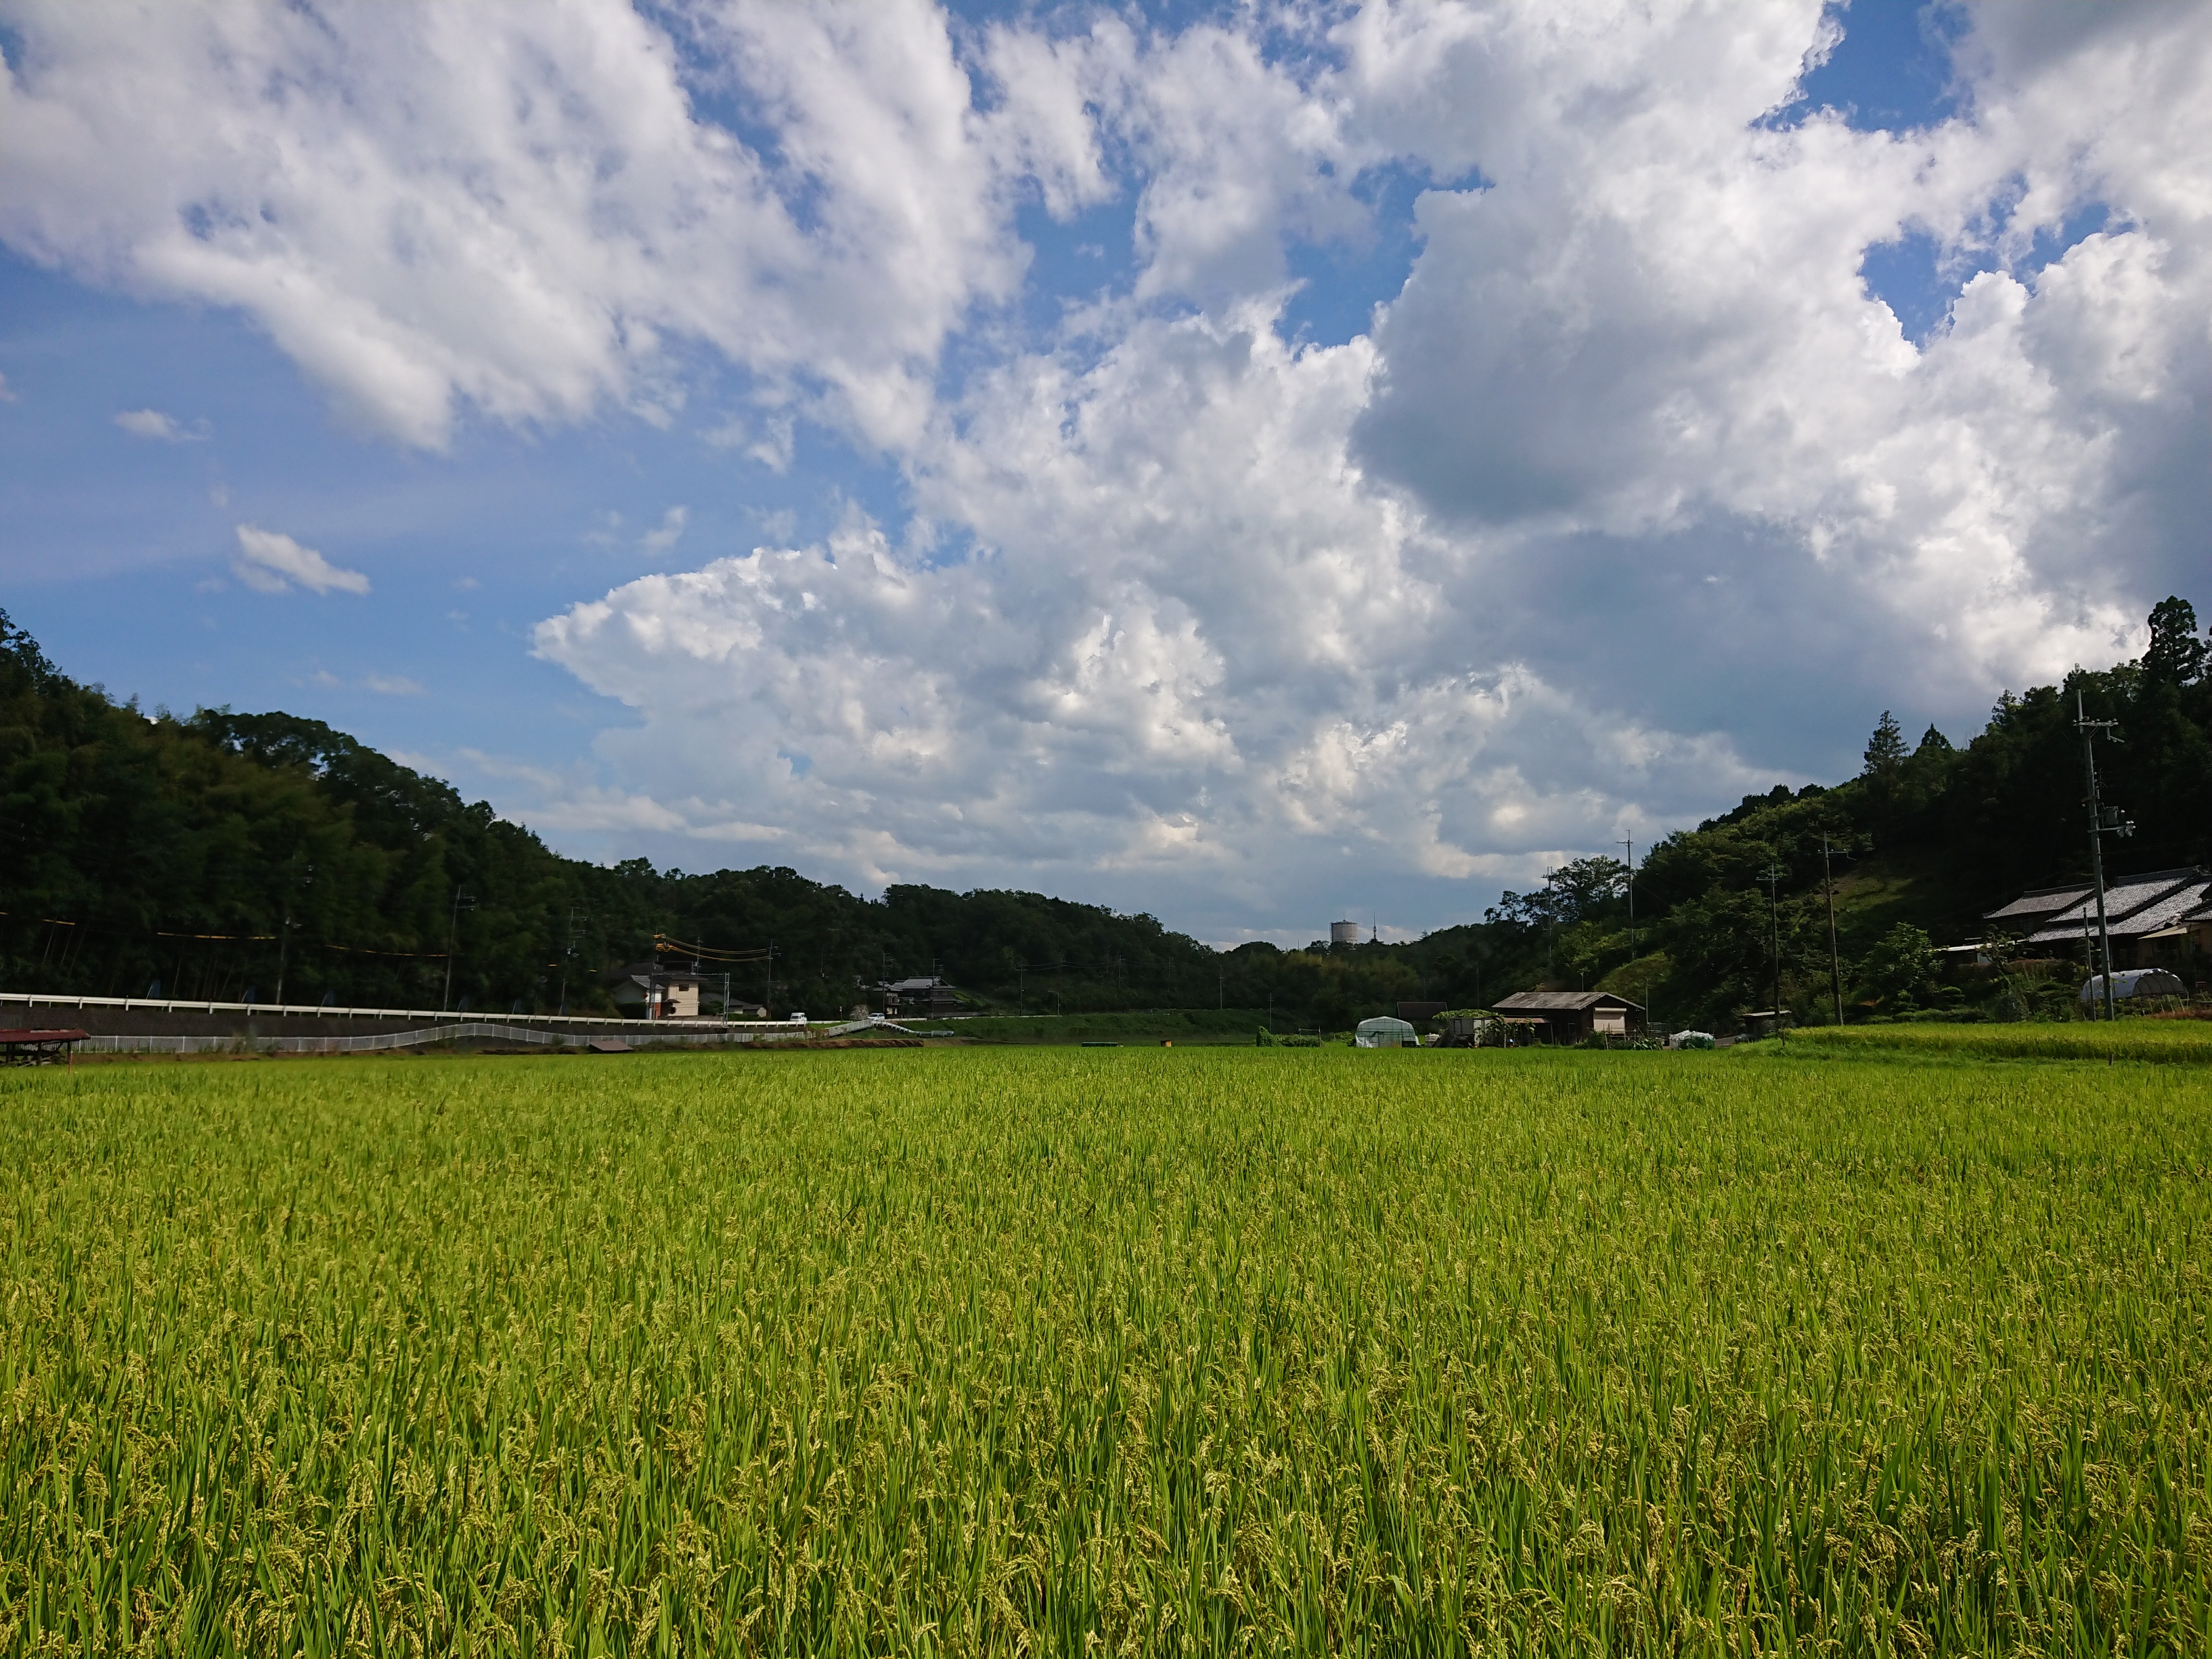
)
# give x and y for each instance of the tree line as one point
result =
(221, 856)
(1928, 837)
(224, 856)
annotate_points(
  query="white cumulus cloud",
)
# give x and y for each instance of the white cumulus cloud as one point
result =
(518, 209)
(1631, 481)
(1634, 494)
(272, 563)
(1197, 650)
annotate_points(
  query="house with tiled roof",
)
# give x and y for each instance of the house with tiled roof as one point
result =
(2151, 917)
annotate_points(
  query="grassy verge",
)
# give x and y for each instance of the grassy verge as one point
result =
(1199, 1025)
(2180, 1042)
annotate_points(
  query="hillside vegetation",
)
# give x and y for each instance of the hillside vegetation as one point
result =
(1928, 837)
(223, 855)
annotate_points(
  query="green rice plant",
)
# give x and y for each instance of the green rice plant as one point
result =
(1124, 1351)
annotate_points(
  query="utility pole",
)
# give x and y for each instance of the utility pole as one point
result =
(284, 933)
(1835, 957)
(1629, 847)
(2102, 821)
(1772, 876)
(462, 901)
(575, 935)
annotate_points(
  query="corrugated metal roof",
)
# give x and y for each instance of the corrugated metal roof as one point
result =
(1564, 1001)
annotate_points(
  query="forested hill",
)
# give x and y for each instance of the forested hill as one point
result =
(224, 855)
(1928, 837)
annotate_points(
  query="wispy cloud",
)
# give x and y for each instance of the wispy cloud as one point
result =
(771, 445)
(392, 685)
(670, 533)
(164, 428)
(271, 562)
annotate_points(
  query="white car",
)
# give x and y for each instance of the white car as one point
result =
(799, 1020)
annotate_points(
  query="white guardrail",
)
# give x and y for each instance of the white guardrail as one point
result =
(311, 1010)
(660, 1034)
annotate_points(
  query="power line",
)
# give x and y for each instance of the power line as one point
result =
(664, 944)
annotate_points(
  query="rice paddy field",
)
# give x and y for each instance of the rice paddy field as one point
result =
(1078, 1351)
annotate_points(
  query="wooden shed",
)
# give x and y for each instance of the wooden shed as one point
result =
(1574, 1016)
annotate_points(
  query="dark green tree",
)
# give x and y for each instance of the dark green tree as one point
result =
(1885, 749)
(2176, 655)
(1899, 971)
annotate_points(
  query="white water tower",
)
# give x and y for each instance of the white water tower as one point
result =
(1344, 932)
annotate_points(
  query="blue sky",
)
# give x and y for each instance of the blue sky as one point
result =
(968, 449)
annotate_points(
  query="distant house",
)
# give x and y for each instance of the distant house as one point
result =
(2034, 908)
(1574, 1016)
(646, 990)
(2150, 917)
(924, 997)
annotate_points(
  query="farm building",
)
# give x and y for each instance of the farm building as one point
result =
(1575, 1016)
(2034, 908)
(2152, 918)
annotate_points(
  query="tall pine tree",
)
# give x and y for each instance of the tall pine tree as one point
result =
(2176, 654)
(1885, 751)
